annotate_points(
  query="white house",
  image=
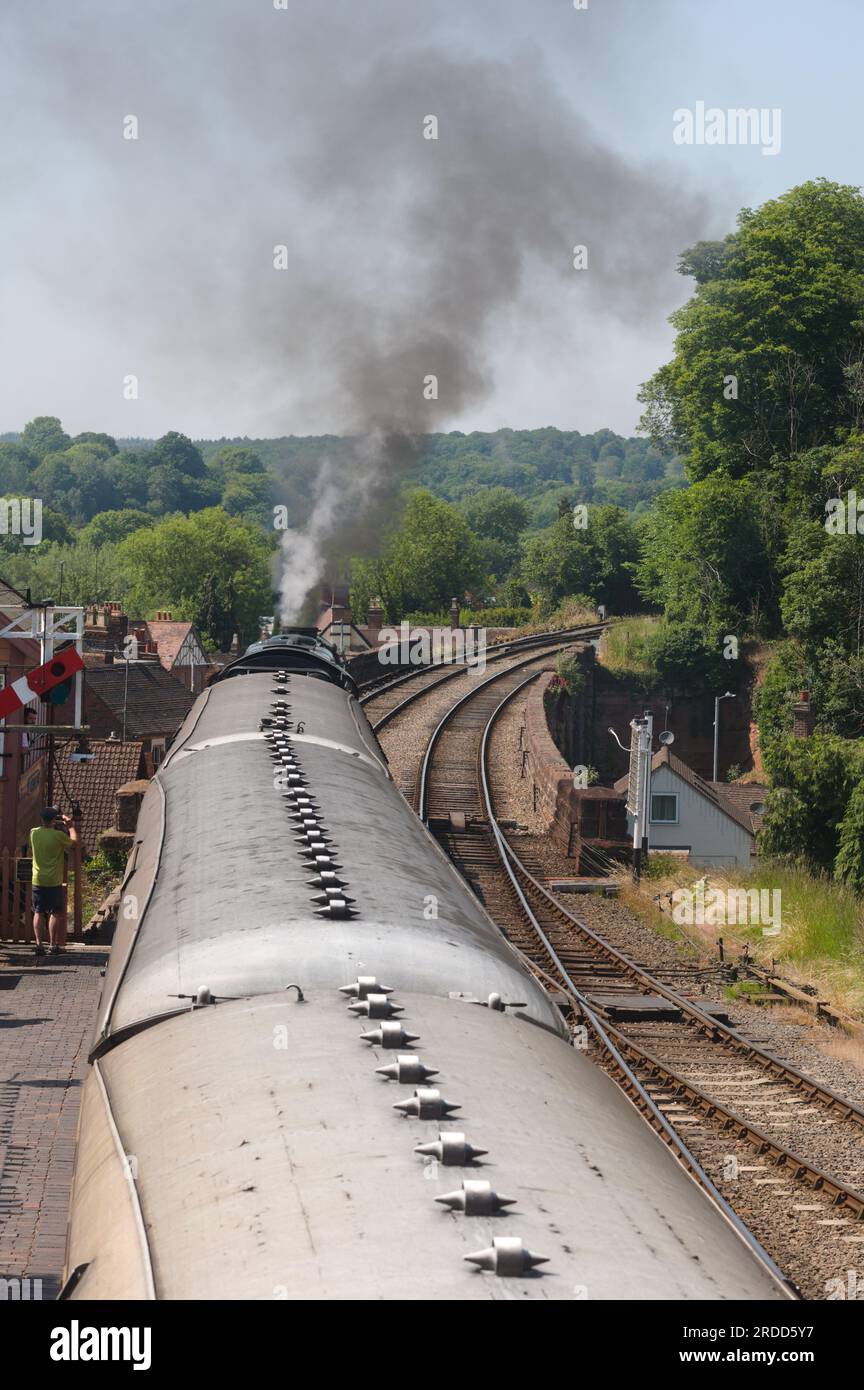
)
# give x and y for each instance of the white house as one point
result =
(710, 822)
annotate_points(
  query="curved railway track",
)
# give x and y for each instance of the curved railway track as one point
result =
(390, 702)
(685, 1069)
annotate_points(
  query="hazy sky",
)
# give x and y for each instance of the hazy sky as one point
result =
(303, 127)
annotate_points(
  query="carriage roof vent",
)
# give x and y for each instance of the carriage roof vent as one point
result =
(476, 1198)
(426, 1104)
(506, 1257)
(389, 1035)
(363, 985)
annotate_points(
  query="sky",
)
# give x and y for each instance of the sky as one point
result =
(139, 290)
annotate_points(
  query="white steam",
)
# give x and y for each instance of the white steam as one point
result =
(342, 493)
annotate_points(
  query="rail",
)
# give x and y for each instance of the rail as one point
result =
(626, 1059)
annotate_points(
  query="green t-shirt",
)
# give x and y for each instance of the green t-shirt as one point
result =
(48, 847)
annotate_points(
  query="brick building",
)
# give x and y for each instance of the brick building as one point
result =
(336, 623)
(135, 701)
(178, 647)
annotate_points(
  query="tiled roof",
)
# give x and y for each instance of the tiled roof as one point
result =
(733, 799)
(738, 798)
(155, 702)
(94, 784)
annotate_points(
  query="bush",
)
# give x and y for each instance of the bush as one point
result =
(682, 657)
(659, 865)
(569, 673)
(427, 619)
(813, 782)
(494, 617)
(105, 865)
(849, 864)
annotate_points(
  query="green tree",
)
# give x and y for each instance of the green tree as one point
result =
(248, 494)
(105, 441)
(106, 528)
(682, 656)
(778, 306)
(82, 573)
(597, 559)
(177, 452)
(215, 618)
(93, 489)
(166, 490)
(43, 436)
(707, 557)
(53, 480)
(849, 863)
(55, 528)
(16, 469)
(129, 471)
(167, 566)
(496, 514)
(813, 780)
(430, 557)
(785, 676)
(231, 459)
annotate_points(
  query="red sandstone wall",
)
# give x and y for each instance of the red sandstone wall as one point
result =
(690, 717)
(555, 797)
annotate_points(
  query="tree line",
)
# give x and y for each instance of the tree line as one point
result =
(736, 515)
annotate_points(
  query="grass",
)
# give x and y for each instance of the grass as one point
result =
(749, 990)
(567, 614)
(624, 647)
(821, 939)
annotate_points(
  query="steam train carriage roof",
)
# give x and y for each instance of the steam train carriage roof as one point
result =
(250, 1148)
(270, 1163)
(226, 889)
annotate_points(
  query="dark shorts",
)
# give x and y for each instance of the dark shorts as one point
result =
(49, 899)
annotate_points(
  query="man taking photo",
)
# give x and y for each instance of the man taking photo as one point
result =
(48, 844)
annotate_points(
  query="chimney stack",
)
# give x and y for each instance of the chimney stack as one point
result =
(454, 612)
(374, 617)
(802, 712)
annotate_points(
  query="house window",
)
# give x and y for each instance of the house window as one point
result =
(664, 808)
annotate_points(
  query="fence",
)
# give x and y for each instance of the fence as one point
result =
(16, 899)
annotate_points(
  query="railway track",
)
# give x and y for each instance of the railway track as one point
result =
(694, 1077)
(385, 699)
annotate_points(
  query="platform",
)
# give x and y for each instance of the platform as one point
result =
(47, 1016)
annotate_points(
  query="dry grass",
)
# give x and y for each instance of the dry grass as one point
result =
(821, 942)
(830, 1040)
(641, 901)
(834, 1043)
(566, 615)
